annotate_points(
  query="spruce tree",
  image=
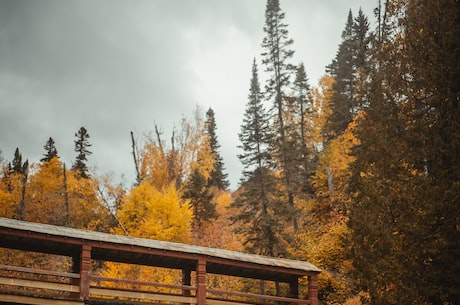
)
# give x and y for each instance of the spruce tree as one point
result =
(349, 69)
(276, 55)
(81, 148)
(50, 151)
(22, 169)
(303, 119)
(262, 214)
(16, 166)
(201, 199)
(218, 178)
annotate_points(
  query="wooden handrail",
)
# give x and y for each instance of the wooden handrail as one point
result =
(39, 271)
(142, 283)
(257, 296)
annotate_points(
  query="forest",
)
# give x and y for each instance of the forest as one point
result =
(359, 174)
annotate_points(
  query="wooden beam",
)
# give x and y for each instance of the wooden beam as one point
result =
(111, 293)
(38, 284)
(35, 301)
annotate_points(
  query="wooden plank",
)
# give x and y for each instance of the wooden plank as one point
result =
(38, 284)
(39, 271)
(35, 301)
(223, 302)
(258, 296)
(99, 279)
(141, 295)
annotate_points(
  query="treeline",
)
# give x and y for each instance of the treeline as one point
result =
(359, 175)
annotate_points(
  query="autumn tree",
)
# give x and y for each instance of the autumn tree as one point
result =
(218, 178)
(163, 162)
(50, 151)
(13, 185)
(276, 55)
(149, 212)
(406, 174)
(82, 149)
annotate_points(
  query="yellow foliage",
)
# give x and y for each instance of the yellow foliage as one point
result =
(223, 201)
(156, 214)
(154, 167)
(10, 194)
(190, 149)
(321, 101)
(46, 195)
(45, 201)
(205, 160)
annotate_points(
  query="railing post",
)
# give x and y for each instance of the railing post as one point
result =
(85, 270)
(201, 282)
(313, 289)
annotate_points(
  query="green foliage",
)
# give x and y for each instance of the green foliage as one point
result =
(349, 70)
(276, 55)
(218, 178)
(404, 217)
(262, 214)
(201, 199)
(50, 151)
(81, 148)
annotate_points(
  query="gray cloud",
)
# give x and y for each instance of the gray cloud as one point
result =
(114, 66)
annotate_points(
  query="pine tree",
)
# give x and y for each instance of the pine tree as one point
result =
(342, 69)
(261, 212)
(218, 178)
(277, 52)
(18, 168)
(81, 148)
(349, 69)
(303, 119)
(50, 151)
(201, 200)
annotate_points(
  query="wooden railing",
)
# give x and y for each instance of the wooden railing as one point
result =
(109, 288)
(224, 297)
(64, 286)
(19, 284)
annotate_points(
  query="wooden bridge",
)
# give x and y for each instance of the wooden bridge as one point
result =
(80, 285)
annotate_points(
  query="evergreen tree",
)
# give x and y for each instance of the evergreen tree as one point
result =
(342, 69)
(81, 148)
(304, 122)
(261, 212)
(404, 217)
(17, 166)
(201, 199)
(50, 151)
(22, 169)
(349, 69)
(277, 52)
(218, 178)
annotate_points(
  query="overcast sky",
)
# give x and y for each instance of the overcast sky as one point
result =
(115, 66)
